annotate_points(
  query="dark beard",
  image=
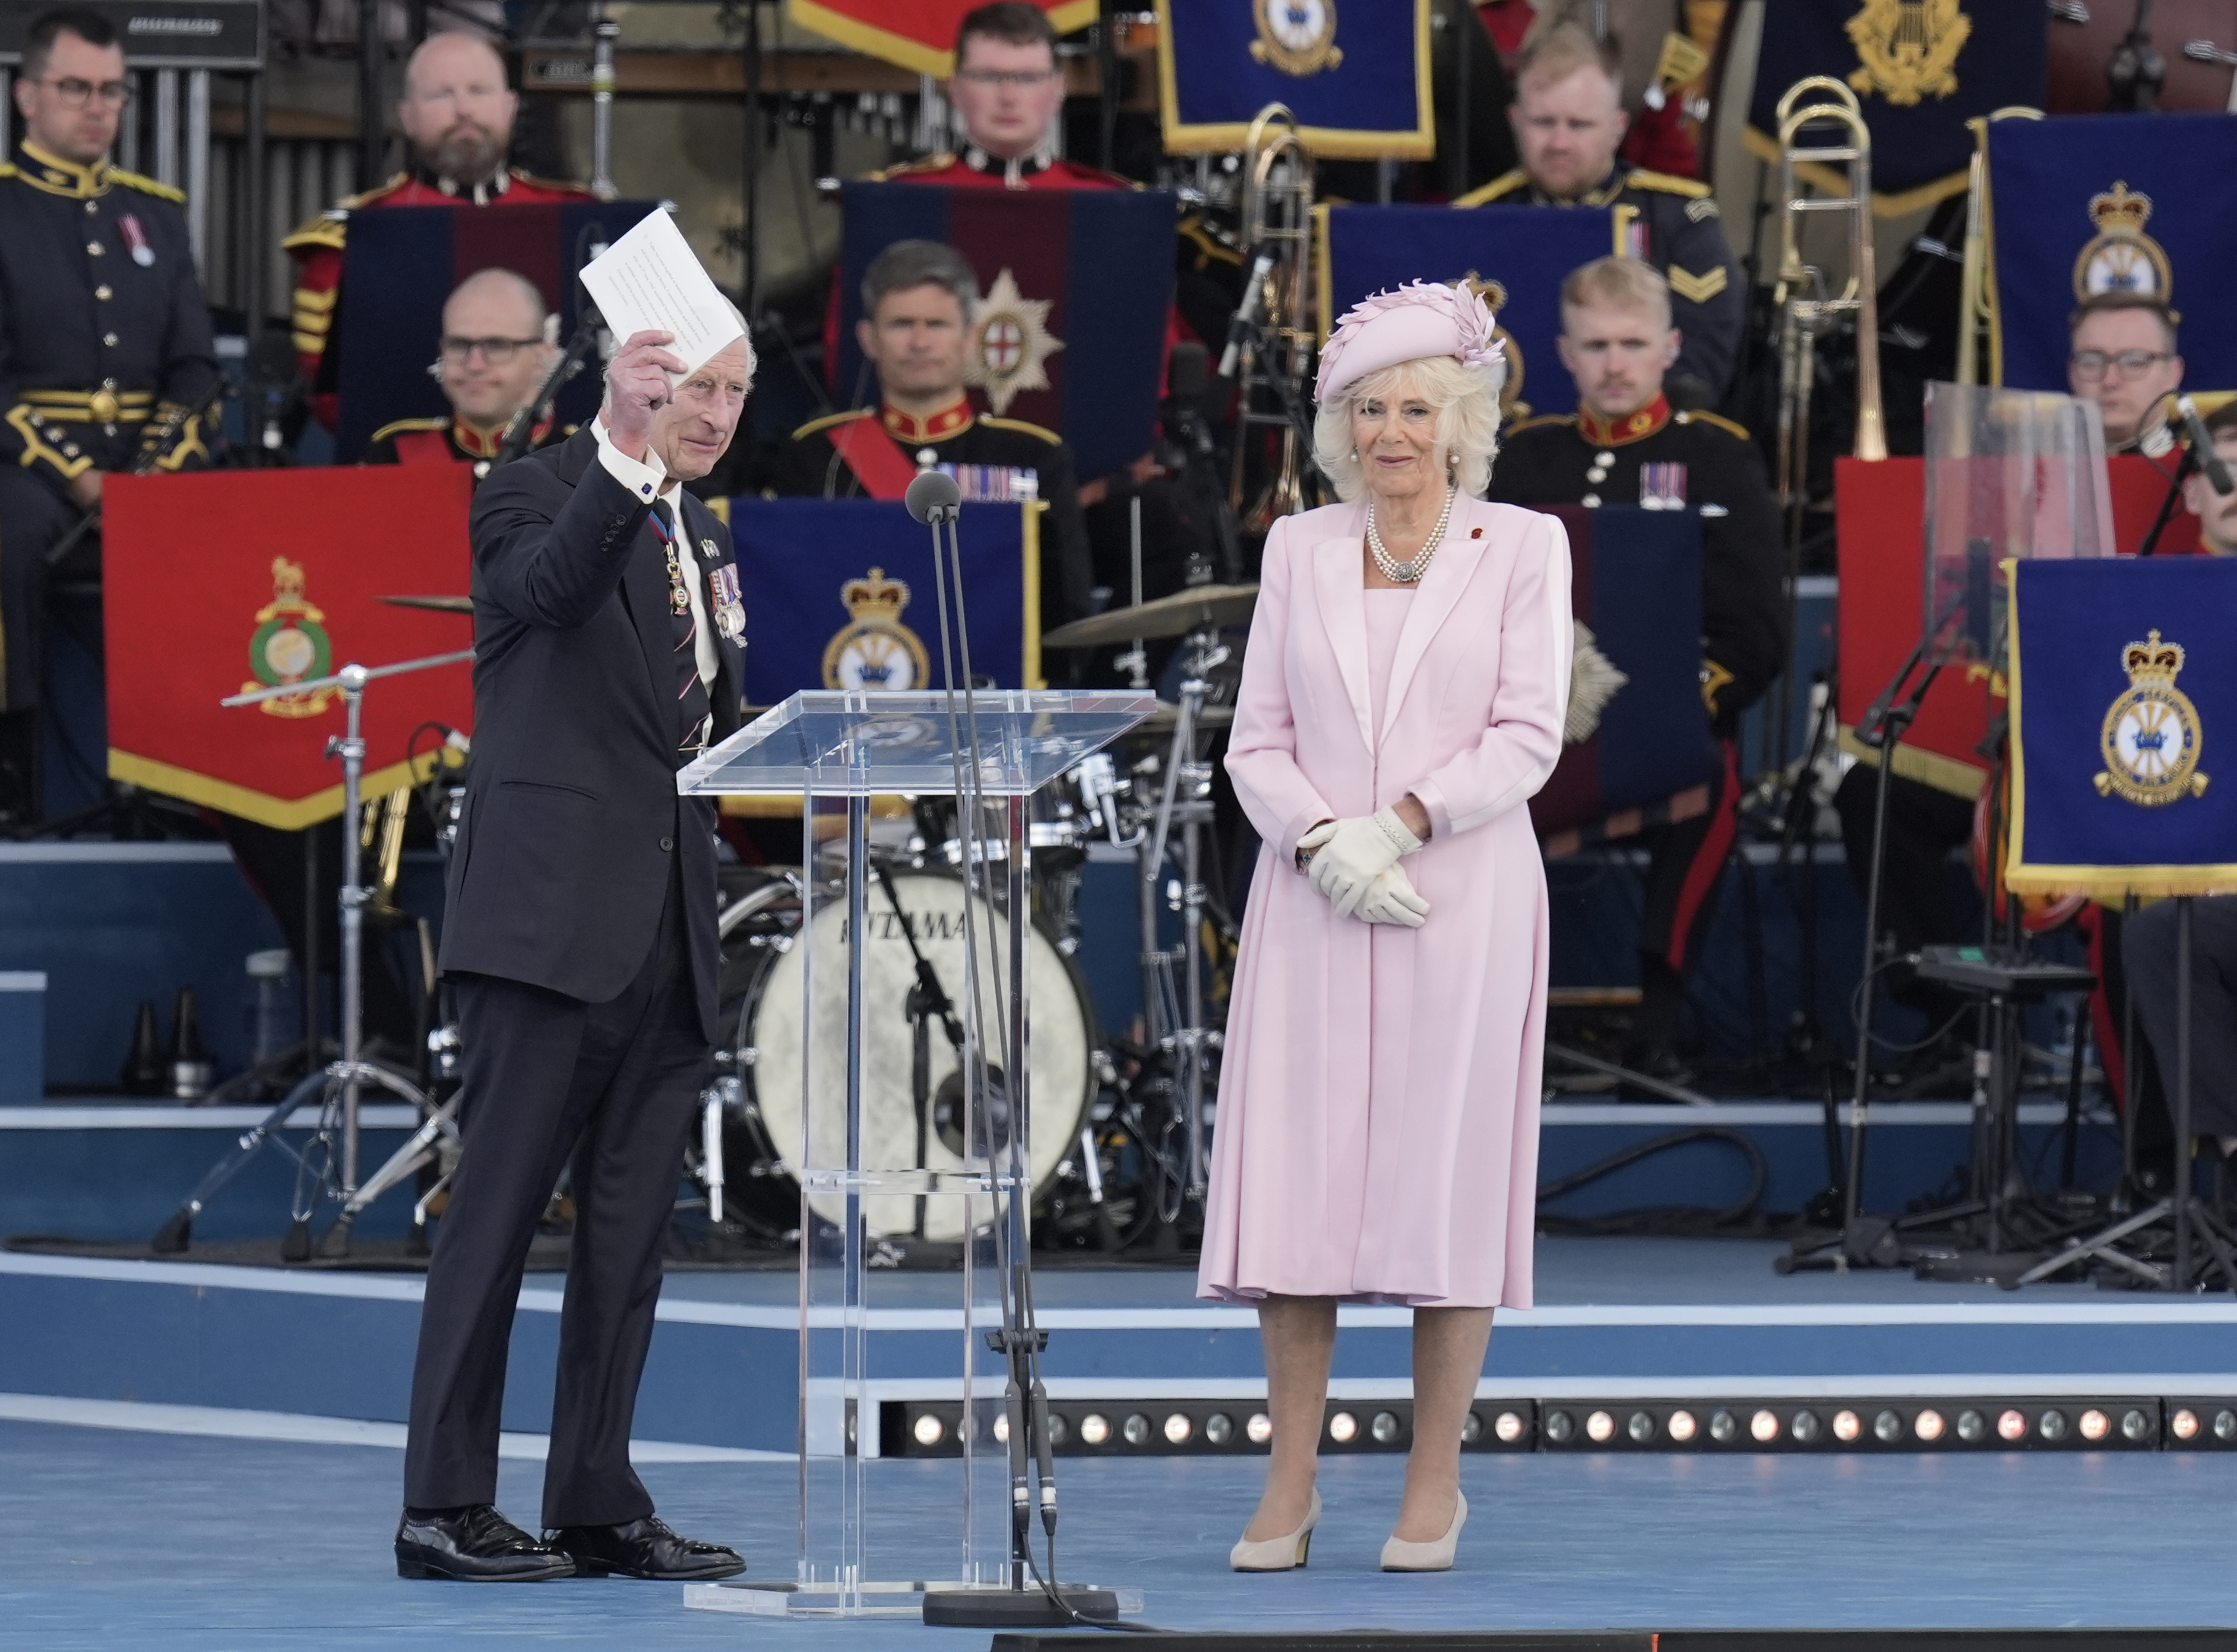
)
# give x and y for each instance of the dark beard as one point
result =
(466, 155)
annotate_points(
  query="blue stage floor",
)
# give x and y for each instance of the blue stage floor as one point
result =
(111, 1539)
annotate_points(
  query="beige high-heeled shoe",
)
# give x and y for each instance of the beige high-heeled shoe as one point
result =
(1398, 1556)
(1281, 1554)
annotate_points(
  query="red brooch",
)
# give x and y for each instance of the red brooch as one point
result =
(1476, 533)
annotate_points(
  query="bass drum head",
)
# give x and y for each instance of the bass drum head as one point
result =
(1061, 1034)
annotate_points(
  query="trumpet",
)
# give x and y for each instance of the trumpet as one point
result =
(1277, 210)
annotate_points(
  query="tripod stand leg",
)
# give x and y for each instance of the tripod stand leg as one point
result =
(177, 1231)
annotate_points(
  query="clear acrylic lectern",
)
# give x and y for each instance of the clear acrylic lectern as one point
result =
(883, 1146)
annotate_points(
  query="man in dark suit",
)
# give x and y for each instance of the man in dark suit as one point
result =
(580, 932)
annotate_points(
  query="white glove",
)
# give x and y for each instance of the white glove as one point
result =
(1391, 899)
(1358, 851)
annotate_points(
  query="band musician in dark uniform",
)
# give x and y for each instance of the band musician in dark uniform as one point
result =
(580, 935)
(919, 303)
(104, 342)
(1626, 445)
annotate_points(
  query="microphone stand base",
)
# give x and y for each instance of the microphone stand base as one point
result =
(1018, 1609)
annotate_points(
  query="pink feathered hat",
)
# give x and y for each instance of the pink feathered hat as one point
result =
(1420, 319)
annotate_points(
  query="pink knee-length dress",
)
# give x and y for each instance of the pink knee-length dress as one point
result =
(1376, 1137)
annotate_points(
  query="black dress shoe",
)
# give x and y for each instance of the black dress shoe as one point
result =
(643, 1547)
(474, 1545)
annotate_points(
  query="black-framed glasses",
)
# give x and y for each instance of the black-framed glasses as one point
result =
(495, 351)
(113, 93)
(2131, 364)
(1026, 80)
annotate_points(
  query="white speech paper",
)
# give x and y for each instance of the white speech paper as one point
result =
(651, 279)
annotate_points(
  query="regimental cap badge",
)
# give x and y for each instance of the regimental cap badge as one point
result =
(2151, 737)
(875, 650)
(2121, 258)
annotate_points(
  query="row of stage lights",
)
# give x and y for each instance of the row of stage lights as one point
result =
(1170, 1428)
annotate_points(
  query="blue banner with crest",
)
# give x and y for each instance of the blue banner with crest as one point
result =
(2090, 203)
(839, 593)
(1354, 74)
(1517, 257)
(2124, 690)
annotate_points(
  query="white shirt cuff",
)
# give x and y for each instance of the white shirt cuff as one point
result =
(643, 481)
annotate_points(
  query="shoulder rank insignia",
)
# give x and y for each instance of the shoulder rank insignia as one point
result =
(2151, 736)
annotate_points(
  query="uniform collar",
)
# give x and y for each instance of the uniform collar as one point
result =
(480, 193)
(477, 443)
(1015, 171)
(1631, 427)
(950, 420)
(1607, 189)
(60, 177)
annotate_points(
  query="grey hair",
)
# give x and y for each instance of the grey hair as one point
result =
(1465, 400)
(920, 263)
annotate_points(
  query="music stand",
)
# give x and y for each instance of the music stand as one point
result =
(856, 1145)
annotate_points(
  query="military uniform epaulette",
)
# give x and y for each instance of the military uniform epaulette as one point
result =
(939, 162)
(1505, 184)
(7, 169)
(147, 186)
(400, 427)
(1212, 242)
(1043, 431)
(829, 420)
(330, 227)
(1668, 183)
(1541, 422)
(1718, 419)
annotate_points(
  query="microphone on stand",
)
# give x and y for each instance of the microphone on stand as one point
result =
(1246, 314)
(934, 498)
(2210, 463)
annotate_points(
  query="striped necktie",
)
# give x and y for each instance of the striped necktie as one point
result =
(693, 707)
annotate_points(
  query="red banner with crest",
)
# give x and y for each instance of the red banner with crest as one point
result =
(220, 582)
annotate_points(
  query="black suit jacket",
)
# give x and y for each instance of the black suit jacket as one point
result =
(572, 822)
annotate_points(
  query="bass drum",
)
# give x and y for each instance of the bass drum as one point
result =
(1061, 1038)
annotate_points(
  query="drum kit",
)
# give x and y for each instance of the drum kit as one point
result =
(1118, 1153)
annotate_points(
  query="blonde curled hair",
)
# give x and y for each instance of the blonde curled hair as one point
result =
(1464, 399)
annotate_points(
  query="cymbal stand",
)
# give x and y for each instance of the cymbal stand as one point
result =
(1176, 1019)
(1135, 662)
(344, 1081)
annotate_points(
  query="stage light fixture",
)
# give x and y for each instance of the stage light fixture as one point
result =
(1094, 1429)
(1599, 1428)
(2012, 1425)
(1724, 1427)
(1559, 1427)
(1510, 1427)
(2135, 1427)
(1001, 1428)
(1259, 1429)
(1887, 1428)
(1059, 1431)
(1472, 1428)
(1927, 1425)
(1218, 1428)
(2224, 1426)
(1178, 1429)
(1683, 1426)
(929, 1431)
(1343, 1427)
(1385, 1428)
(2184, 1424)
(1805, 1428)
(1136, 1430)
(1847, 1426)
(1972, 1427)
(2052, 1425)
(1641, 1427)
(1764, 1426)
(2094, 1424)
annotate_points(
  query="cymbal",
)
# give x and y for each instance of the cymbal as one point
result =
(1160, 722)
(441, 604)
(1195, 609)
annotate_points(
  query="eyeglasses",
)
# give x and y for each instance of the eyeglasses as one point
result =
(113, 93)
(495, 351)
(2132, 364)
(1026, 80)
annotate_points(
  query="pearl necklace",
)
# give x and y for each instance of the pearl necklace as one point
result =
(1405, 573)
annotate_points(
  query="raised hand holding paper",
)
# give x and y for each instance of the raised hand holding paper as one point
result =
(650, 280)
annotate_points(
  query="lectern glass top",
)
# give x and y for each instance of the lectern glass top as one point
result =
(841, 742)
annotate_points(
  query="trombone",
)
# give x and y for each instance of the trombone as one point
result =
(1277, 209)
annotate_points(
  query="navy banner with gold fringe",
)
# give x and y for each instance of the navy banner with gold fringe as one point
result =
(2091, 203)
(1517, 257)
(839, 594)
(1354, 73)
(1920, 73)
(2124, 687)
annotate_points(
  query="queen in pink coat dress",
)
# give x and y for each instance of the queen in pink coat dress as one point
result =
(1402, 699)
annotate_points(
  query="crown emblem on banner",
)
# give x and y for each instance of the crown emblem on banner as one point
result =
(2151, 736)
(2120, 211)
(875, 650)
(874, 595)
(2121, 258)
